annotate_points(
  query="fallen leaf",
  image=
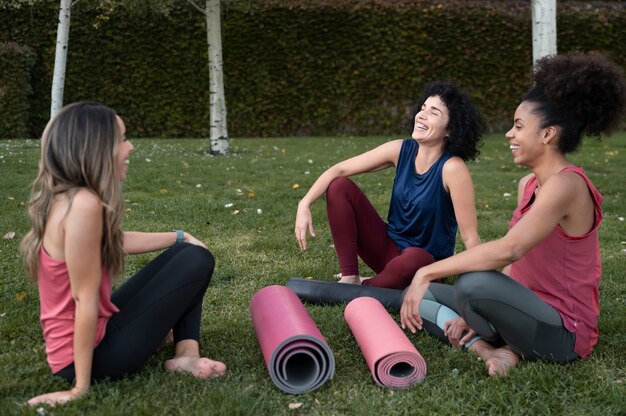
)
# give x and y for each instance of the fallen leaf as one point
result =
(235, 212)
(228, 205)
(293, 406)
(309, 277)
(250, 194)
(259, 211)
(20, 296)
(9, 236)
(295, 186)
(11, 198)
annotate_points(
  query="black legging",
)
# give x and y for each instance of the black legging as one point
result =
(166, 294)
(502, 311)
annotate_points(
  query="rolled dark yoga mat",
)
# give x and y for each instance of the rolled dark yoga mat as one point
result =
(296, 354)
(332, 293)
(391, 357)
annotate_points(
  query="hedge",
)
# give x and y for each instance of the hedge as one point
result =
(16, 63)
(296, 67)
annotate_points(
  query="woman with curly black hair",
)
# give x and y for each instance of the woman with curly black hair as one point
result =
(544, 304)
(432, 193)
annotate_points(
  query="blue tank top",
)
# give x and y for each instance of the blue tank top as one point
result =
(421, 213)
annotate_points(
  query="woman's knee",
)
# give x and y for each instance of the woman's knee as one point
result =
(339, 185)
(199, 259)
(416, 257)
(475, 284)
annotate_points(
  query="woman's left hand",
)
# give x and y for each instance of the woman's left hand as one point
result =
(193, 240)
(58, 397)
(455, 329)
(409, 312)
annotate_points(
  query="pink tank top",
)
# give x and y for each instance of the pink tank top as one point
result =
(564, 271)
(58, 310)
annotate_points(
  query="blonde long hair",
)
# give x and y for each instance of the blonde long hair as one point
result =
(78, 151)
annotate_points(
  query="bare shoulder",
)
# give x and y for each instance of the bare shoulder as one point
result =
(85, 202)
(566, 182)
(392, 145)
(385, 154)
(455, 166)
(564, 190)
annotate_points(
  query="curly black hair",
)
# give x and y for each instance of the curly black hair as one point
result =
(583, 94)
(465, 126)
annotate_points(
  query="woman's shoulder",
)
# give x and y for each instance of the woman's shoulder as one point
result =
(453, 165)
(570, 180)
(86, 201)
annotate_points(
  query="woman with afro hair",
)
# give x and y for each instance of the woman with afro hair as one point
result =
(432, 194)
(544, 304)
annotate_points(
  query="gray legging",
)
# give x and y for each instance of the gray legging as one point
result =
(502, 311)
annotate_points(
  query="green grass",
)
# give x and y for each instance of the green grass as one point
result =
(173, 184)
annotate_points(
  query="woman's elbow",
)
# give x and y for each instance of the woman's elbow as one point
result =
(512, 252)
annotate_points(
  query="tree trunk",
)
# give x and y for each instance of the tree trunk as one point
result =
(544, 28)
(60, 60)
(219, 132)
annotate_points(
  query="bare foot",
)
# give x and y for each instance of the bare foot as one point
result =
(199, 367)
(351, 280)
(501, 361)
(497, 360)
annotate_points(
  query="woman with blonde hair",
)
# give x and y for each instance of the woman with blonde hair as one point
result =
(76, 248)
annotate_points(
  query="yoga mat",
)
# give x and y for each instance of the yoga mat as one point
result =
(332, 293)
(296, 354)
(391, 357)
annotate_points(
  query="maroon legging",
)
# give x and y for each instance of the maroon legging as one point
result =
(358, 230)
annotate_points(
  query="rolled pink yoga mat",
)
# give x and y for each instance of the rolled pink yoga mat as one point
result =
(296, 354)
(392, 358)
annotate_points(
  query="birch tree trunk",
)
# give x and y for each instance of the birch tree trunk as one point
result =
(544, 28)
(60, 59)
(219, 132)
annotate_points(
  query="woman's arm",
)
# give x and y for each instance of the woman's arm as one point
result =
(520, 196)
(140, 242)
(382, 157)
(458, 182)
(550, 206)
(82, 245)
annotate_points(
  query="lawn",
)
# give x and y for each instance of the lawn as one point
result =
(243, 207)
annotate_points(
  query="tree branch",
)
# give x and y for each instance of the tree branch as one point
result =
(201, 10)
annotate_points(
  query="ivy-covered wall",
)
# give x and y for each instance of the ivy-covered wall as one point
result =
(295, 67)
(16, 63)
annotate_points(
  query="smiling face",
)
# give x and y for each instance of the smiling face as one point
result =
(124, 147)
(526, 136)
(431, 122)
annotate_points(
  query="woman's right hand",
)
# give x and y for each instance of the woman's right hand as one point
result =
(57, 397)
(304, 223)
